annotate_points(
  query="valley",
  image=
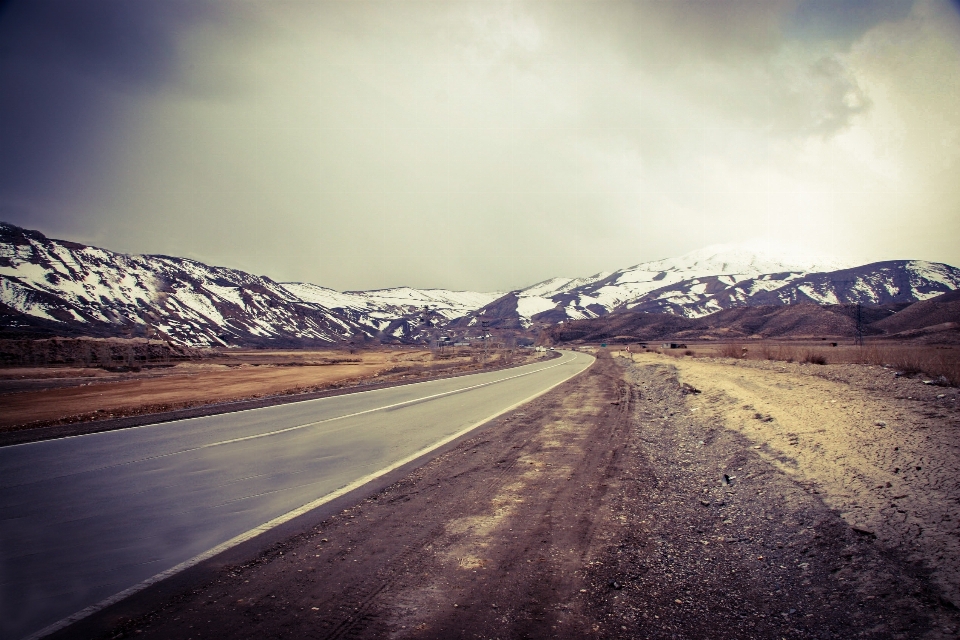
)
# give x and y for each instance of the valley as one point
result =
(733, 464)
(392, 320)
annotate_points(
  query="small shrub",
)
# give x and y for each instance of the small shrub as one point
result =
(688, 353)
(732, 350)
(812, 357)
(786, 353)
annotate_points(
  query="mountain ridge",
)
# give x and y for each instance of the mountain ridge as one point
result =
(54, 286)
(50, 286)
(692, 293)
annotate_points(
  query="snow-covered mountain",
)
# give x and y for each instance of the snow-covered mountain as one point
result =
(712, 267)
(388, 304)
(400, 313)
(64, 287)
(722, 277)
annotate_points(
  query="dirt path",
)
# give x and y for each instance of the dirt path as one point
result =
(598, 510)
(883, 451)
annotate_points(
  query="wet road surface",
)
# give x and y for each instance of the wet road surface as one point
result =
(84, 518)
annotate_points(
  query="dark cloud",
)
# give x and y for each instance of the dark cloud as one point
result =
(66, 70)
(846, 20)
(477, 143)
(113, 42)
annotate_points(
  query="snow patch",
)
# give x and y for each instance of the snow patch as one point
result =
(529, 306)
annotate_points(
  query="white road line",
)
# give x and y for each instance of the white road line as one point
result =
(287, 517)
(265, 408)
(304, 426)
(358, 413)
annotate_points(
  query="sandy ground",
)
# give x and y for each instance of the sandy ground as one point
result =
(72, 395)
(620, 505)
(881, 450)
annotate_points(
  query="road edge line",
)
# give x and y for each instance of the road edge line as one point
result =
(270, 406)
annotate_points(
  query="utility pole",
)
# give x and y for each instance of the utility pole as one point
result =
(859, 337)
(428, 317)
(483, 326)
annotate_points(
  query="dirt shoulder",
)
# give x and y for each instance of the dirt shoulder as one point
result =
(598, 510)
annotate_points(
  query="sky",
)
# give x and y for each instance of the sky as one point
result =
(481, 145)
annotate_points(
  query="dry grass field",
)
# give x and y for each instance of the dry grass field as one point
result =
(39, 396)
(941, 363)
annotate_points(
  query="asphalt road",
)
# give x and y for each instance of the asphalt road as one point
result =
(85, 518)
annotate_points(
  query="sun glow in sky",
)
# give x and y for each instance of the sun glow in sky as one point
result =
(481, 145)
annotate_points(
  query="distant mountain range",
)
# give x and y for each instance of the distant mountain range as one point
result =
(709, 280)
(56, 287)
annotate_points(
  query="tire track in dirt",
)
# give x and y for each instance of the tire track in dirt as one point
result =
(353, 624)
(537, 597)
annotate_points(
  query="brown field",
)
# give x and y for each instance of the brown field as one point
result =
(38, 396)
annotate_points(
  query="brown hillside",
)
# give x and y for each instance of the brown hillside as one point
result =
(790, 321)
(622, 327)
(935, 311)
